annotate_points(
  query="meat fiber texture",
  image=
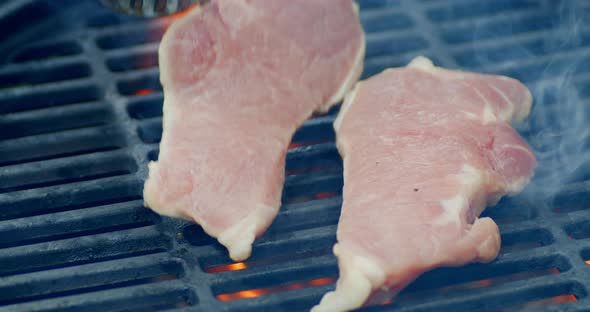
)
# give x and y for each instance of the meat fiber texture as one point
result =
(425, 150)
(239, 77)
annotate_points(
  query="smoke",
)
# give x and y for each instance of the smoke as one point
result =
(552, 64)
(558, 127)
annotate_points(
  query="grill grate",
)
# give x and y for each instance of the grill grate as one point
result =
(81, 116)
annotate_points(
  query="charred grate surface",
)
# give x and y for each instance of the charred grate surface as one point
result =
(80, 117)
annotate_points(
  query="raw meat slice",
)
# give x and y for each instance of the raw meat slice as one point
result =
(425, 150)
(239, 77)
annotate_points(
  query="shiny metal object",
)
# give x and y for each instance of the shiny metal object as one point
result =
(151, 8)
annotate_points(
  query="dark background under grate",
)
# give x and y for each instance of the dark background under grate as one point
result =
(80, 107)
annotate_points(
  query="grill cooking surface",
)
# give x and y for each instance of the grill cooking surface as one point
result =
(80, 107)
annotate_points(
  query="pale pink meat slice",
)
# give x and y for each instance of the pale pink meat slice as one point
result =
(239, 77)
(425, 150)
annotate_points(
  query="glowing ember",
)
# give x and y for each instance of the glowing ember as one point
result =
(549, 301)
(564, 298)
(144, 92)
(587, 262)
(322, 281)
(253, 293)
(307, 143)
(324, 195)
(295, 286)
(294, 145)
(178, 15)
(227, 267)
(484, 283)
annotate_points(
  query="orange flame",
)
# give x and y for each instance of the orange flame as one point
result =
(587, 262)
(253, 293)
(144, 92)
(564, 298)
(227, 267)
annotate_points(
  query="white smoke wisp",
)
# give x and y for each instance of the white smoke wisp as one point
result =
(558, 128)
(553, 59)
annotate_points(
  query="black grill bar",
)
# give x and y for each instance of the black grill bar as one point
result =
(63, 118)
(66, 170)
(75, 223)
(55, 94)
(76, 251)
(30, 286)
(68, 197)
(156, 296)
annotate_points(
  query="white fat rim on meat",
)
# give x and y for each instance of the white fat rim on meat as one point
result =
(452, 210)
(488, 114)
(513, 115)
(358, 277)
(422, 63)
(525, 106)
(425, 64)
(350, 98)
(238, 239)
(508, 114)
(518, 185)
(471, 180)
(353, 75)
